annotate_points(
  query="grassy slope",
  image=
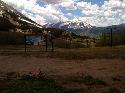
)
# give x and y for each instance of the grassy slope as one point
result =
(78, 54)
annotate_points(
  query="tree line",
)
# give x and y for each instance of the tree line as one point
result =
(118, 38)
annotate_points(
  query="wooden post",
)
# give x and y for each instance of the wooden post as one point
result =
(52, 46)
(87, 43)
(25, 42)
(46, 43)
(111, 38)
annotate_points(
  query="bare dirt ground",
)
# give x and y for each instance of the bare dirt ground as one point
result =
(96, 67)
(60, 69)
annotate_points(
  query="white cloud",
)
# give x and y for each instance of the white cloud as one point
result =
(87, 6)
(69, 14)
(110, 13)
(54, 1)
(69, 5)
(39, 14)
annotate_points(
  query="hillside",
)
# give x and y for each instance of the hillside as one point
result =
(11, 18)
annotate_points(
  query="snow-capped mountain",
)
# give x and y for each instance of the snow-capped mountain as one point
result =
(10, 17)
(76, 27)
(14, 17)
(84, 29)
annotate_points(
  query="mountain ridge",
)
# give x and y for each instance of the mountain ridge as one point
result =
(14, 18)
(83, 29)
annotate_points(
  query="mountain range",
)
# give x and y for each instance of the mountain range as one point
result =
(84, 29)
(10, 17)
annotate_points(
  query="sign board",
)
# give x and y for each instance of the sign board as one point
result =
(39, 40)
(35, 40)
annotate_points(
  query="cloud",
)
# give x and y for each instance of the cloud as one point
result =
(40, 14)
(55, 1)
(69, 14)
(69, 5)
(87, 6)
(37, 18)
(111, 12)
(88, 9)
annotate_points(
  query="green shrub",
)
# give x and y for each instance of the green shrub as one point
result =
(89, 80)
(117, 39)
(11, 38)
(114, 90)
(67, 44)
(34, 86)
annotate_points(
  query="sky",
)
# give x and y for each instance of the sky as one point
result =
(98, 13)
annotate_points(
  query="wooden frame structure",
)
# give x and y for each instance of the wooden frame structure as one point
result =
(40, 34)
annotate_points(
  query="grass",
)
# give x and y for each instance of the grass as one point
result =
(89, 53)
(117, 78)
(34, 86)
(30, 83)
(114, 90)
(87, 80)
(117, 52)
(48, 86)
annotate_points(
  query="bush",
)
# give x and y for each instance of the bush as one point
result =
(117, 39)
(114, 90)
(67, 44)
(11, 38)
(89, 80)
